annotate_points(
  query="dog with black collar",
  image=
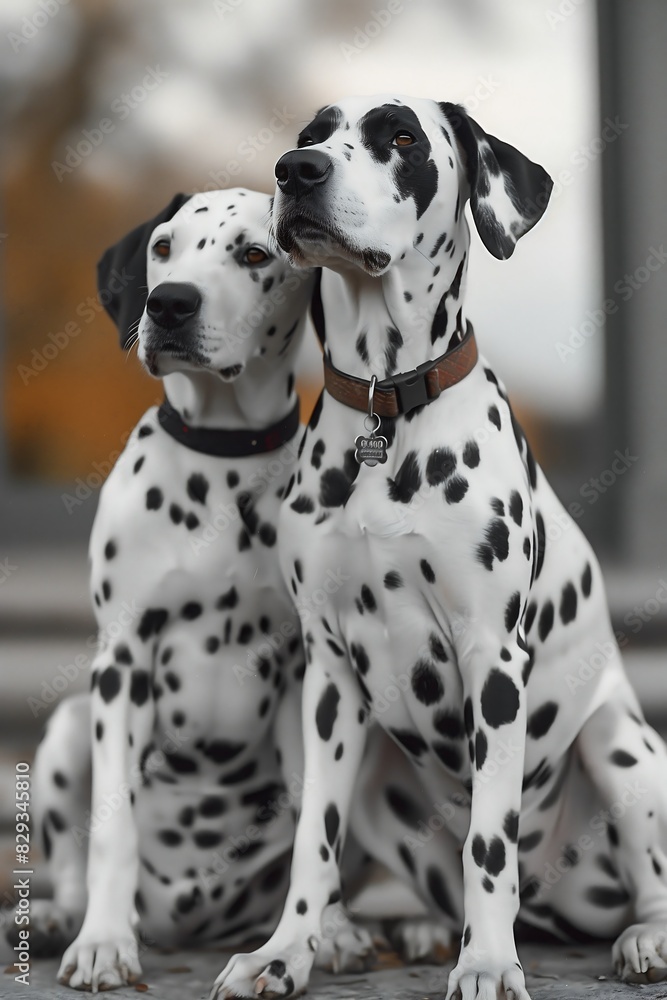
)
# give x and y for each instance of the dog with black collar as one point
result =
(417, 476)
(193, 722)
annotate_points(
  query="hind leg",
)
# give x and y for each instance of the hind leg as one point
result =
(61, 796)
(395, 819)
(626, 760)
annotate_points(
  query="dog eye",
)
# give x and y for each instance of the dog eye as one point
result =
(162, 248)
(403, 139)
(305, 141)
(255, 255)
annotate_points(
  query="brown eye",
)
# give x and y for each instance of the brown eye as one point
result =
(306, 141)
(255, 255)
(162, 248)
(403, 139)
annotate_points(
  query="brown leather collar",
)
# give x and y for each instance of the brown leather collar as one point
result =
(403, 392)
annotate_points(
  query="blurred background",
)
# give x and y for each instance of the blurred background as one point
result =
(200, 94)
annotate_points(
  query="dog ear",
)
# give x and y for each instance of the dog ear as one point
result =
(508, 192)
(121, 273)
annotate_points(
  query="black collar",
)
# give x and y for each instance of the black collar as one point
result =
(228, 443)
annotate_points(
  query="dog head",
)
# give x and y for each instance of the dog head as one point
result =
(204, 290)
(373, 177)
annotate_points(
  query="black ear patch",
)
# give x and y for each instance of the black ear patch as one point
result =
(121, 272)
(508, 192)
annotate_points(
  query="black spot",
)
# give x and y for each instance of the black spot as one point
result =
(99, 730)
(494, 416)
(542, 719)
(511, 826)
(541, 544)
(170, 838)
(606, 897)
(622, 758)
(106, 590)
(498, 506)
(207, 838)
(437, 649)
(172, 681)
(331, 823)
(228, 600)
(568, 604)
(455, 489)
(152, 622)
(175, 513)
(406, 858)
(441, 463)
(197, 487)
(267, 534)
(110, 550)
(529, 617)
(546, 621)
(407, 481)
(181, 764)
(449, 755)
(301, 907)
(212, 805)
(191, 610)
(122, 654)
(467, 934)
(412, 742)
(394, 342)
(303, 505)
(240, 775)
(488, 884)
(500, 699)
(324, 852)
(530, 841)
(512, 611)
(393, 580)
(426, 683)
(439, 892)
(586, 580)
(222, 751)
(368, 598)
(468, 716)
(139, 462)
(516, 507)
(59, 779)
(109, 684)
(448, 724)
(212, 644)
(154, 498)
(362, 348)
(471, 455)
(360, 657)
(403, 806)
(481, 749)
(139, 687)
(327, 711)
(427, 571)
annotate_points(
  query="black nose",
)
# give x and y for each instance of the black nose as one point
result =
(173, 303)
(301, 170)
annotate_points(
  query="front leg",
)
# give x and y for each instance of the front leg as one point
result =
(334, 737)
(105, 954)
(495, 719)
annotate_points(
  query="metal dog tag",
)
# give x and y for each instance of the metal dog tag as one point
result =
(371, 448)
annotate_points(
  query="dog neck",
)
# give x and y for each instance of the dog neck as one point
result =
(381, 326)
(258, 398)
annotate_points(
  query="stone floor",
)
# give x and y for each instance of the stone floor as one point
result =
(552, 972)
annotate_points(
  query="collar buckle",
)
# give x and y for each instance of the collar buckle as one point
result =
(412, 388)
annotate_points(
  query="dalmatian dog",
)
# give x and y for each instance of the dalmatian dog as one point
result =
(528, 744)
(192, 723)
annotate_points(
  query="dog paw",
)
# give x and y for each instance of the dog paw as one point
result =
(347, 948)
(474, 980)
(51, 929)
(100, 963)
(265, 974)
(422, 939)
(640, 953)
